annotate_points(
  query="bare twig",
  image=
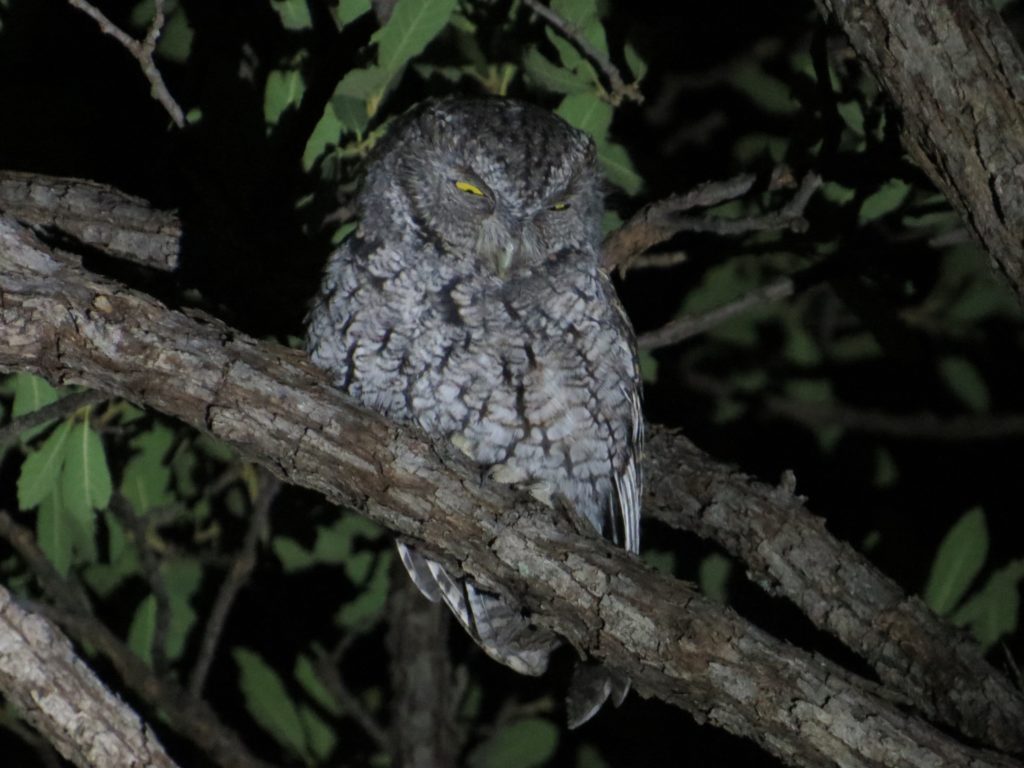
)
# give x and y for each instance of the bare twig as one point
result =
(327, 665)
(56, 410)
(138, 530)
(142, 51)
(659, 221)
(619, 89)
(241, 568)
(915, 426)
(691, 325)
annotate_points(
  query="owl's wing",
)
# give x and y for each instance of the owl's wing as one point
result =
(629, 479)
(499, 629)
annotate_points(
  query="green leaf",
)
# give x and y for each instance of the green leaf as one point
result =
(85, 481)
(994, 611)
(284, 90)
(961, 555)
(766, 91)
(364, 611)
(413, 24)
(30, 394)
(350, 10)
(965, 382)
(319, 735)
(588, 113)
(887, 199)
(365, 85)
(637, 66)
(583, 16)
(713, 577)
(525, 744)
(269, 703)
(294, 14)
(53, 534)
(325, 133)
(309, 678)
(351, 113)
(182, 579)
(41, 469)
(176, 38)
(146, 482)
(546, 74)
(291, 554)
(619, 169)
(143, 629)
(661, 560)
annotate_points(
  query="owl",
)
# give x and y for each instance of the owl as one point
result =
(469, 301)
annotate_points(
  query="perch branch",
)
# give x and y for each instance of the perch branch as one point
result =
(270, 403)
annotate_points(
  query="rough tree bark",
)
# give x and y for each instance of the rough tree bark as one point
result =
(73, 327)
(956, 75)
(64, 700)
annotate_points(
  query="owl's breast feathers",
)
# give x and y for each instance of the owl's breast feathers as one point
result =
(534, 376)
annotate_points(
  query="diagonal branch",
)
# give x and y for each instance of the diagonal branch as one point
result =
(72, 327)
(143, 51)
(60, 695)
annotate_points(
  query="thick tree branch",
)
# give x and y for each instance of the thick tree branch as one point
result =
(96, 215)
(59, 695)
(72, 327)
(956, 75)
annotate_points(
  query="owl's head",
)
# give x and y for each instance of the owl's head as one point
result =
(495, 184)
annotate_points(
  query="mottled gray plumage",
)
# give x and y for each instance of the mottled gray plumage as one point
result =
(469, 301)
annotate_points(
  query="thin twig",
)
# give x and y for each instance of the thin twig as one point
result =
(138, 530)
(237, 576)
(326, 664)
(56, 410)
(142, 51)
(912, 426)
(619, 89)
(659, 260)
(691, 325)
(661, 220)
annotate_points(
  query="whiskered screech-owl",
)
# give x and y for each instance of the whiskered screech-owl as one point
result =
(469, 301)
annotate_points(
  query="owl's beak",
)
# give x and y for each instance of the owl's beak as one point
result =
(504, 256)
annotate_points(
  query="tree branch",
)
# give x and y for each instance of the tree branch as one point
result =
(96, 215)
(956, 75)
(142, 50)
(276, 408)
(59, 695)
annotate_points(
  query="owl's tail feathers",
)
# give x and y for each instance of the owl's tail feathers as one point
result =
(498, 628)
(591, 686)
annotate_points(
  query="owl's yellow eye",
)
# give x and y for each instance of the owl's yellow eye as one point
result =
(559, 206)
(472, 189)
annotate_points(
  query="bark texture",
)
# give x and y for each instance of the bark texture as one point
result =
(956, 75)
(73, 327)
(64, 700)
